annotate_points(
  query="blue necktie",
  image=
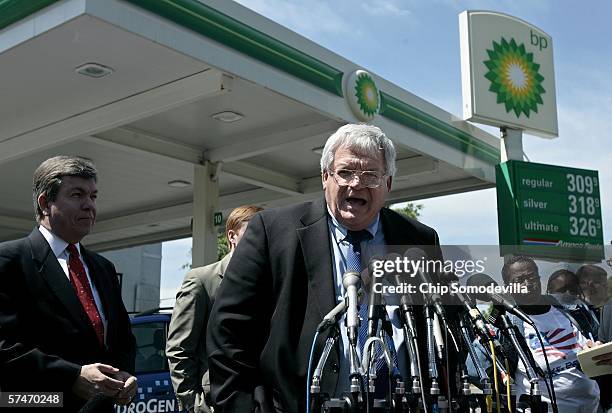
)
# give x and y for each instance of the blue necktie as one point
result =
(354, 263)
(353, 256)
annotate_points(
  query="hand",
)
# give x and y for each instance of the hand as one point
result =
(602, 359)
(97, 379)
(130, 385)
(591, 344)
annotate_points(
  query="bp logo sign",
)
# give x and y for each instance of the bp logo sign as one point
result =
(507, 73)
(514, 77)
(362, 95)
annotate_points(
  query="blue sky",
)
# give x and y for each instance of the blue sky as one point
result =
(415, 44)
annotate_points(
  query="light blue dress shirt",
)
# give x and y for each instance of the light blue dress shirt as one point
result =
(370, 248)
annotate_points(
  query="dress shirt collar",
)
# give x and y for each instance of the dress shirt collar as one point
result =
(340, 231)
(58, 245)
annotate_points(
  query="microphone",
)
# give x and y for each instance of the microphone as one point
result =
(376, 309)
(475, 316)
(504, 300)
(437, 330)
(416, 255)
(336, 314)
(351, 282)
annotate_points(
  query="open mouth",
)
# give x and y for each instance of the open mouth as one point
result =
(352, 201)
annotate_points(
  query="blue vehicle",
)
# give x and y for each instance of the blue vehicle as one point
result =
(155, 393)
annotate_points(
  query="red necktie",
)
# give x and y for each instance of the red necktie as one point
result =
(79, 281)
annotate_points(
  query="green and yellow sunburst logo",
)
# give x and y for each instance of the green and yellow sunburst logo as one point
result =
(367, 95)
(514, 77)
(362, 95)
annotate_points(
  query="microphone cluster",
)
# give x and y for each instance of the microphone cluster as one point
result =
(433, 355)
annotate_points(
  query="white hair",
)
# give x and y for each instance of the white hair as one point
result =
(363, 139)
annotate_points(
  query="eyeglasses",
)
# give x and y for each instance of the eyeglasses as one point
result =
(368, 179)
(527, 279)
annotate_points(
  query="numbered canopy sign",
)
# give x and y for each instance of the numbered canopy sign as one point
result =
(549, 211)
(217, 219)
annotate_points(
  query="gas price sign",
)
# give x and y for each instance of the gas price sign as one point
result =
(549, 211)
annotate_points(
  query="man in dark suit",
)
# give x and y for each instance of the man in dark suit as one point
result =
(286, 274)
(63, 326)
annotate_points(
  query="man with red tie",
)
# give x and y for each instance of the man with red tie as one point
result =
(63, 326)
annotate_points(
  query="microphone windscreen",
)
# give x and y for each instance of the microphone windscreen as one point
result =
(351, 278)
(480, 280)
(374, 266)
(415, 254)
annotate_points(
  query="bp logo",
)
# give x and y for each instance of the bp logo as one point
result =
(362, 95)
(514, 77)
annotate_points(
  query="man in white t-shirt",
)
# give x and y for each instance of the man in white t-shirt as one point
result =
(575, 392)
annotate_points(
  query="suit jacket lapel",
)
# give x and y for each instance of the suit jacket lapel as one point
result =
(50, 270)
(394, 228)
(314, 240)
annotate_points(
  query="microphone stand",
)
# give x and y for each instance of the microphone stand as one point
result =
(376, 316)
(317, 399)
(434, 390)
(535, 394)
(488, 337)
(354, 377)
(395, 383)
(410, 337)
(485, 381)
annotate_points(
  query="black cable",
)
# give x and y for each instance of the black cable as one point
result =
(310, 357)
(551, 391)
(448, 389)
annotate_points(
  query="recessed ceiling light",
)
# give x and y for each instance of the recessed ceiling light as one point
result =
(227, 116)
(179, 183)
(95, 70)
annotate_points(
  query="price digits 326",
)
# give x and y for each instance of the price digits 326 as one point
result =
(581, 203)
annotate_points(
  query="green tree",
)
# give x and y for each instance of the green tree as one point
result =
(411, 210)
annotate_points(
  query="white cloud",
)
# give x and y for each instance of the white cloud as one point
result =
(386, 8)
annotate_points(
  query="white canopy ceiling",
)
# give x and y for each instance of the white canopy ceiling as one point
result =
(176, 63)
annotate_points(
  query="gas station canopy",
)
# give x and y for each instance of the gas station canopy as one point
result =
(205, 106)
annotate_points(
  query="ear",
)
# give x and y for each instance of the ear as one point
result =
(389, 180)
(43, 204)
(324, 178)
(231, 238)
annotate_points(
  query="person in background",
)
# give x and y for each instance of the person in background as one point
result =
(604, 336)
(63, 325)
(564, 287)
(594, 321)
(564, 281)
(605, 326)
(594, 285)
(186, 345)
(562, 340)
